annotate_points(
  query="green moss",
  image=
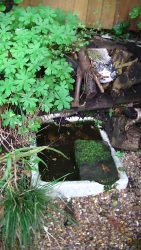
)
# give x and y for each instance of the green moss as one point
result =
(90, 152)
(95, 162)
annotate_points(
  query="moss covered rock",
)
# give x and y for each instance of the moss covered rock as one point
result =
(95, 162)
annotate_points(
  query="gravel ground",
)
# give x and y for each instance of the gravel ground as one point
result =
(109, 221)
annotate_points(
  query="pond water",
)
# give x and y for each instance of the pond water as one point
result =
(63, 138)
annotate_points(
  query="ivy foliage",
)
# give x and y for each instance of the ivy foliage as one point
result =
(120, 29)
(34, 74)
(136, 13)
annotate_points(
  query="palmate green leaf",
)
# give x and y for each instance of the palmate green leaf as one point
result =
(42, 26)
(41, 87)
(34, 125)
(10, 67)
(2, 7)
(3, 60)
(39, 56)
(5, 47)
(62, 96)
(26, 17)
(47, 103)
(9, 118)
(18, 50)
(5, 33)
(29, 102)
(62, 103)
(25, 36)
(3, 99)
(22, 37)
(34, 47)
(14, 99)
(24, 80)
(6, 19)
(7, 87)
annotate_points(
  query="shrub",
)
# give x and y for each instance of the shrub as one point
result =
(34, 75)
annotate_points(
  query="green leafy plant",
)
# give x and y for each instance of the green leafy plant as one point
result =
(108, 188)
(120, 29)
(23, 215)
(135, 13)
(110, 112)
(7, 4)
(20, 159)
(23, 204)
(34, 74)
(120, 154)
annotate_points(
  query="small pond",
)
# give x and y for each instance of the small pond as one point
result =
(88, 158)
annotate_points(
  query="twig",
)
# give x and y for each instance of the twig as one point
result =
(98, 83)
(49, 234)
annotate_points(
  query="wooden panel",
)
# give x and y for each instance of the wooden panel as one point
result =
(67, 5)
(108, 13)
(94, 13)
(52, 3)
(80, 7)
(123, 11)
(35, 2)
(25, 3)
(117, 12)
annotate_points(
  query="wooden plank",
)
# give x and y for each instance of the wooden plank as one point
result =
(80, 7)
(108, 13)
(106, 101)
(101, 101)
(94, 13)
(35, 2)
(123, 11)
(25, 3)
(67, 5)
(117, 12)
(52, 3)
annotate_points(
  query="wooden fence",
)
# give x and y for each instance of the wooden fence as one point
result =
(94, 13)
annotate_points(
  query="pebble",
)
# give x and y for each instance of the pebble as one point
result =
(109, 221)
